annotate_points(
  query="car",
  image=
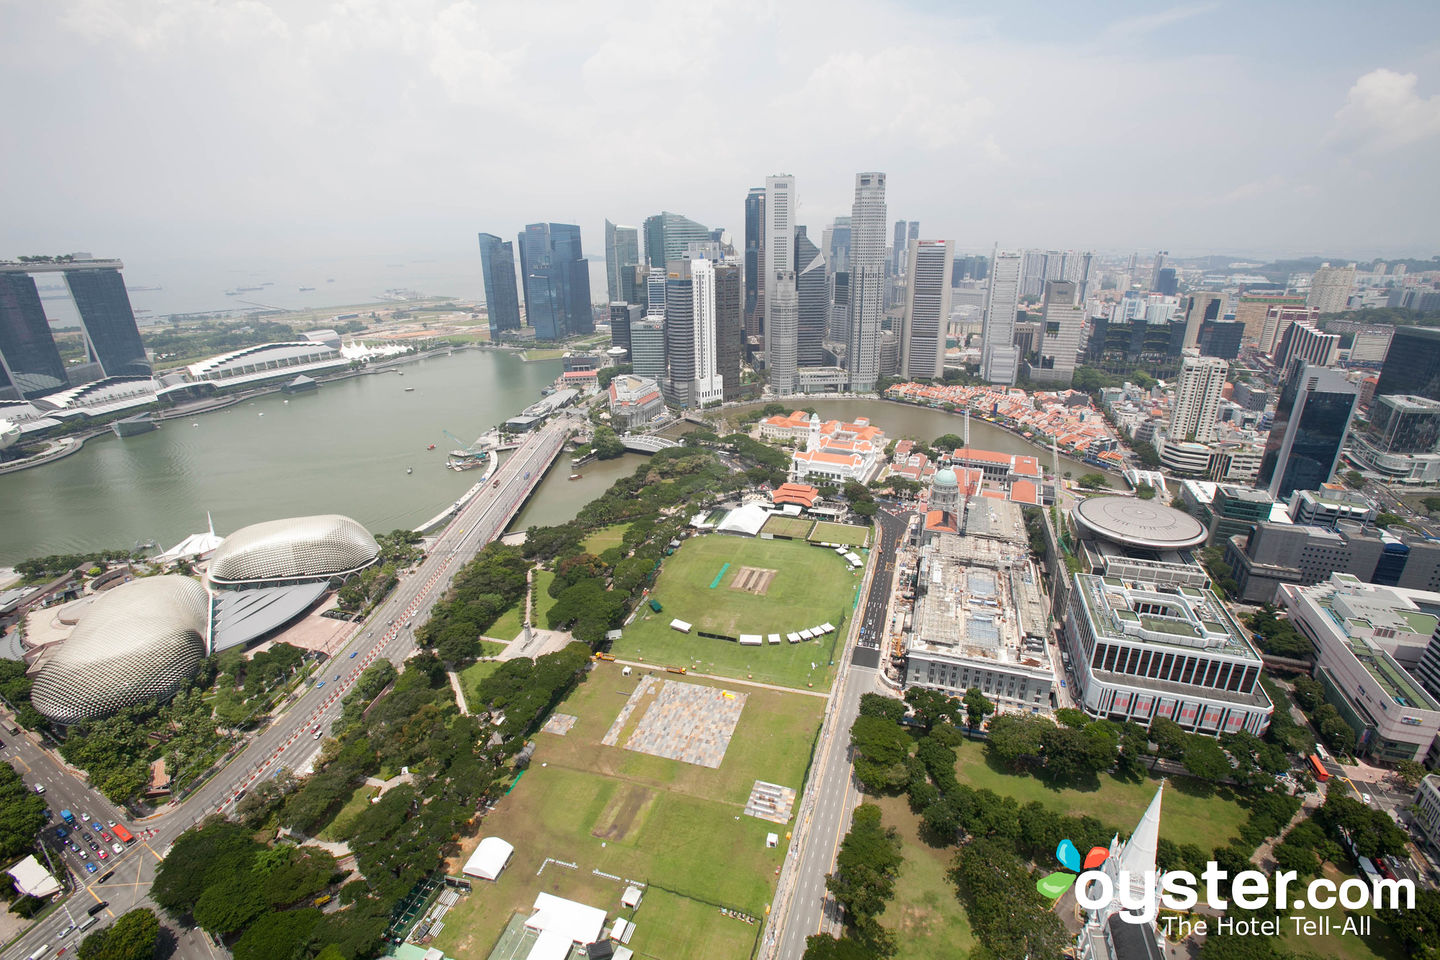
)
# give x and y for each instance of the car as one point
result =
(111, 822)
(98, 907)
(39, 788)
(69, 929)
(96, 827)
(82, 854)
(91, 868)
(72, 845)
(1366, 798)
(106, 875)
(117, 848)
(352, 656)
(85, 817)
(105, 836)
(92, 845)
(103, 855)
(61, 832)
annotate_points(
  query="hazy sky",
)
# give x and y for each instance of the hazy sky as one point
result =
(145, 128)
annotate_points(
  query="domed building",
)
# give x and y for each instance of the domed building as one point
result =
(139, 641)
(299, 549)
(945, 492)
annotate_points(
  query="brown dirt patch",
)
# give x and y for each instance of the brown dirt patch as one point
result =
(624, 811)
(754, 580)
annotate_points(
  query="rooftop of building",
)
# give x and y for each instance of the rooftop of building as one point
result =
(1139, 523)
(56, 265)
(1409, 403)
(1174, 615)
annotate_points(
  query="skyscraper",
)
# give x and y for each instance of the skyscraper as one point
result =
(647, 348)
(1197, 399)
(622, 255)
(30, 365)
(707, 386)
(754, 261)
(782, 306)
(669, 235)
(557, 281)
(1062, 322)
(1277, 320)
(835, 244)
(1412, 364)
(502, 302)
(655, 292)
(1168, 283)
(729, 326)
(867, 280)
(927, 309)
(813, 294)
(839, 329)
(998, 356)
(900, 248)
(1311, 419)
(622, 317)
(679, 332)
(111, 335)
(1330, 288)
(1303, 341)
(1201, 307)
(1155, 270)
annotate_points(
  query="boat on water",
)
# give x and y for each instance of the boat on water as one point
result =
(574, 476)
(306, 289)
(431, 447)
(133, 426)
(409, 389)
(409, 470)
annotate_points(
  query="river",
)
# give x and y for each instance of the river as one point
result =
(926, 423)
(341, 449)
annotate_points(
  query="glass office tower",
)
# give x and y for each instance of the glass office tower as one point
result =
(1413, 364)
(109, 324)
(30, 366)
(1311, 419)
(502, 302)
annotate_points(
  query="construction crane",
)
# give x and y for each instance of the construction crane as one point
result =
(462, 448)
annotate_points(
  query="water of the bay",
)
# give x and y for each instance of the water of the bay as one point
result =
(341, 449)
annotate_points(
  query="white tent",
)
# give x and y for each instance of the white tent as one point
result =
(746, 520)
(33, 879)
(489, 858)
(774, 638)
(750, 639)
(680, 625)
(793, 637)
(561, 924)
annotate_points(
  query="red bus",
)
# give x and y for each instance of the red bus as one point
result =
(121, 834)
(1318, 768)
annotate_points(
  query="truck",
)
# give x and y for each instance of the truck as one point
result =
(68, 817)
(121, 834)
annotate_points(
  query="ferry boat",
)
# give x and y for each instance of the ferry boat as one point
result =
(409, 389)
(574, 476)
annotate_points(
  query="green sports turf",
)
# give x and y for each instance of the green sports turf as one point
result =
(812, 586)
(792, 527)
(846, 533)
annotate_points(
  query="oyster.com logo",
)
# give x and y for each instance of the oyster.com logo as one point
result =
(1053, 885)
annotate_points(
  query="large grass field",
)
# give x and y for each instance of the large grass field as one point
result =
(1378, 945)
(811, 586)
(672, 824)
(924, 915)
(792, 527)
(1189, 814)
(605, 538)
(846, 533)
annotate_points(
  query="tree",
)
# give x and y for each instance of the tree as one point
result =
(1410, 773)
(1386, 519)
(279, 934)
(1169, 737)
(1355, 479)
(865, 871)
(132, 937)
(1007, 913)
(977, 705)
(1432, 504)
(1204, 758)
(880, 751)
(1093, 481)
(1145, 492)
(1015, 739)
(22, 815)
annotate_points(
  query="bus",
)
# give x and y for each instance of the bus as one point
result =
(121, 834)
(1318, 768)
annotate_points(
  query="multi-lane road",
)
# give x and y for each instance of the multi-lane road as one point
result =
(804, 906)
(290, 741)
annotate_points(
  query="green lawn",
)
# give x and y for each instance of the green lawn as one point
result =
(924, 915)
(338, 828)
(471, 676)
(543, 600)
(509, 624)
(673, 824)
(605, 538)
(847, 533)
(1187, 815)
(811, 586)
(793, 527)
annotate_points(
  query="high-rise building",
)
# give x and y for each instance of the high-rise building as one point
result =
(30, 365)
(1155, 270)
(668, 237)
(1197, 399)
(655, 292)
(1277, 320)
(1254, 307)
(707, 387)
(679, 332)
(1303, 340)
(647, 348)
(998, 357)
(754, 261)
(835, 244)
(838, 330)
(1330, 288)
(1312, 417)
(112, 338)
(927, 310)
(622, 317)
(812, 290)
(906, 233)
(729, 326)
(1168, 283)
(1201, 307)
(1063, 320)
(557, 281)
(974, 268)
(502, 301)
(782, 305)
(867, 280)
(1412, 364)
(1220, 338)
(622, 256)
(1404, 424)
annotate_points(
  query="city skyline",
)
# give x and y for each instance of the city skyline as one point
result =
(285, 153)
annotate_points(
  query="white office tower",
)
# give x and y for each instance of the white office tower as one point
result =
(655, 292)
(998, 356)
(1064, 319)
(708, 386)
(867, 280)
(782, 302)
(927, 310)
(1330, 288)
(1197, 399)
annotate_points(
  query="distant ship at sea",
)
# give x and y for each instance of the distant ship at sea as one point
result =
(306, 289)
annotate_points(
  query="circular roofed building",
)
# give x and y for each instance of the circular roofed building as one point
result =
(277, 552)
(140, 641)
(1138, 524)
